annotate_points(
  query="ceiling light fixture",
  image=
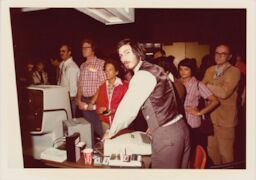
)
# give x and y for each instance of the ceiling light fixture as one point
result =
(110, 16)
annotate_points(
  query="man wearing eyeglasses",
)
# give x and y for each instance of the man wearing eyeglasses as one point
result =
(222, 79)
(91, 77)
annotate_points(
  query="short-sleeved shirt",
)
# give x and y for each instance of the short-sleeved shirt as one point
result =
(195, 90)
(91, 76)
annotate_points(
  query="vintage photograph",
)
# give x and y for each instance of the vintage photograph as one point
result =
(95, 52)
(130, 88)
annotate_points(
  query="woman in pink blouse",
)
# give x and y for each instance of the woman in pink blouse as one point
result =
(195, 90)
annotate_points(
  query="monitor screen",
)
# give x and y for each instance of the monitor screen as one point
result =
(34, 108)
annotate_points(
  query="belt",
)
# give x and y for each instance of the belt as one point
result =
(89, 97)
(174, 120)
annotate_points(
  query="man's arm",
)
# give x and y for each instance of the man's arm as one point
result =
(141, 86)
(206, 76)
(73, 75)
(224, 90)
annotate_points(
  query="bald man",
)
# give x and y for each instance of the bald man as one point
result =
(222, 79)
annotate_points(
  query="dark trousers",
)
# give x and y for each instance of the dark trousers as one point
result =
(73, 103)
(171, 146)
(93, 118)
(198, 138)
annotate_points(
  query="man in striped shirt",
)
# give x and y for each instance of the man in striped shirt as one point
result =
(91, 77)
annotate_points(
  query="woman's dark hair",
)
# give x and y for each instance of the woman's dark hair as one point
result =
(190, 63)
(167, 64)
(115, 63)
(137, 48)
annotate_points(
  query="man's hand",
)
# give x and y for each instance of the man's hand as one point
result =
(90, 107)
(82, 105)
(148, 133)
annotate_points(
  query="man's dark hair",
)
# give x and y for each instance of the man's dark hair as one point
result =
(68, 46)
(54, 56)
(161, 51)
(137, 48)
(190, 63)
(89, 41)
(224, 44)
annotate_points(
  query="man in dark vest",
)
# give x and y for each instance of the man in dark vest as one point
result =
(151, 90)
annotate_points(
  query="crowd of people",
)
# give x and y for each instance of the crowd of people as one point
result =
(134, 92)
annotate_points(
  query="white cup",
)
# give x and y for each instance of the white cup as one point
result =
(87, 153)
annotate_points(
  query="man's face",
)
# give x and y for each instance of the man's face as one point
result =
(40, 67)
(55, 62)
(127, 57)
(65, 53)
(30, 67)
(222, 55)
(157, 55)
(87, 50)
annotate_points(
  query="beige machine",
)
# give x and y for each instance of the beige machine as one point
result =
(49, 106)
(131, 143)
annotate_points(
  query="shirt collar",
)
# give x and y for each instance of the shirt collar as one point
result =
(117, 82)
(191, 81)
(91, 59)
(69, 60)
(219, 69)
(137, 67)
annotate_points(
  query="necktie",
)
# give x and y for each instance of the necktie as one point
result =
(41, 77)
(57, 74)
(60, 73)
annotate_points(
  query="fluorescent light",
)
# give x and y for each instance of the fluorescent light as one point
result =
(32, 9)
(107, 16)
(110, 16)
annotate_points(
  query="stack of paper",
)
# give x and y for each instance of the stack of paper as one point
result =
(53, 154)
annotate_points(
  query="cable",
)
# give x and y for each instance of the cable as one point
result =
(97, 149)
(60, 139)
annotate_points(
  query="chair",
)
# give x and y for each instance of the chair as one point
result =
(199, 161)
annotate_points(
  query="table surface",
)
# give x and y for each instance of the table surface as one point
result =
(81, 164)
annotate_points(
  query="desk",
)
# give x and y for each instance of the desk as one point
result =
(81, 164)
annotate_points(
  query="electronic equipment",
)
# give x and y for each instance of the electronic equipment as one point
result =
(123, 160)
(48, 106)
(73, 151)
(81, 126)
(130, 143)
(105, 112)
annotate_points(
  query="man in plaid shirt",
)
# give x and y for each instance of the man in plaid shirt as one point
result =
(91, 77)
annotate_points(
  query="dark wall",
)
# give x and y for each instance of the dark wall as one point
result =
(38, 34)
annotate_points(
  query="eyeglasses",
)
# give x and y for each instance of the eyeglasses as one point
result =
(87, 47)
(223, 54)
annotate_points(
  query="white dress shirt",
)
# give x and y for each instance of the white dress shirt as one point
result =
(69, 74)
(37, 78)
(140, 87)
